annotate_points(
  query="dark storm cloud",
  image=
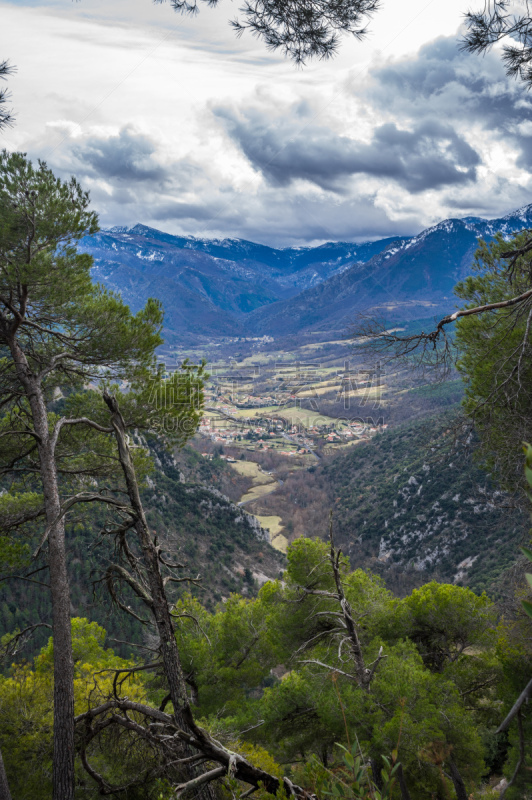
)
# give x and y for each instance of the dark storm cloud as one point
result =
(192, 200)
(429, 156)
(283, 218)
(443, 82)
(128, 157)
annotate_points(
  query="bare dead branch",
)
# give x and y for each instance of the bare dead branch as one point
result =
(432, 348)
(521, 759)
(133, 644)
(207, 777)
(331, 669)
(171, 579)
(523, 697)
(206, 747)
(18, 640)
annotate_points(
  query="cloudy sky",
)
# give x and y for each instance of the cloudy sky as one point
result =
(173, 122)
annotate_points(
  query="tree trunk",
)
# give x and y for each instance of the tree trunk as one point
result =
(63, 758)
(161, 612)
(405, 794)
(163, 620)
(5, 794)
(376, 772)
(354, 641)
(458, 783)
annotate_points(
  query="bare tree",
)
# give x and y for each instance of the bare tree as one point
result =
(340, 623)
(180, 744)
(5, 794)
(516, 713)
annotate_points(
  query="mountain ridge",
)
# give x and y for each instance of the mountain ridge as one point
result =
(214, 288)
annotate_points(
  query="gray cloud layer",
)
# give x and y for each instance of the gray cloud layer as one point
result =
(128, 157)
(429, 156)
(437, 113)
(442, 82)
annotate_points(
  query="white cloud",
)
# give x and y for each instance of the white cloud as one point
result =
(173, 122)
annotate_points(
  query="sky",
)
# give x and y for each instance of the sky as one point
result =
(173, 122)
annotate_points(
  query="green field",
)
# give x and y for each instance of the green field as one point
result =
(251, 470)
(274, 525)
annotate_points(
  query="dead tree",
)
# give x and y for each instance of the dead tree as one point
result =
(166, 737)
(180, 744)
(5, 794)
(151, 555)
(339, 624)
(343, 626)
(516, 712)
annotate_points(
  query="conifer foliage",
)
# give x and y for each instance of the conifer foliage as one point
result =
(58, 331)
(301, 29)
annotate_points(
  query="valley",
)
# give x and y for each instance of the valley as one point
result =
(314, 428)
(265, 407)
(293, 410)
(233, 290)
(271, 413)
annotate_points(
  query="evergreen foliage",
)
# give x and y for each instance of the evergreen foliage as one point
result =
(495, 358)
(267, 680)
(302, 30)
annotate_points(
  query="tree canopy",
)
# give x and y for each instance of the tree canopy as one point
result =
(495, 356)
(301, 29)
(267, 681)
(304, 29)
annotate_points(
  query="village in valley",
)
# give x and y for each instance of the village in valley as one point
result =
(276, 433)
(271, 412)
(274, 401)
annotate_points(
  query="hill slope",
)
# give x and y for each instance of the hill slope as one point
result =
(209, 286)
(186, 505)
(409, 279)
(413, 505)
(231, 287)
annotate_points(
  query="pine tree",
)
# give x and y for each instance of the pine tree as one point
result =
(57, 331)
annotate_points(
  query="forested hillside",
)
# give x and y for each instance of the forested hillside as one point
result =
(232, 287)
(188, 507)
(412, 505)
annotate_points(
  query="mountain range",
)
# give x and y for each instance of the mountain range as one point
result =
(213, 288)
